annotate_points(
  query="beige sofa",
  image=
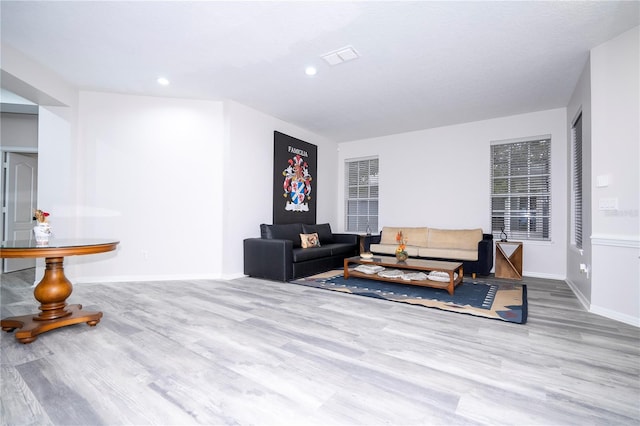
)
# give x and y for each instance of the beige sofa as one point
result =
(470, 246)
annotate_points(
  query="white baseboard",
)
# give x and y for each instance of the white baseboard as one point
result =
(136, 278)
(538, 275)
(608, 313)
(581, 297)
(627, 319)
(543, 275)
(229, 277)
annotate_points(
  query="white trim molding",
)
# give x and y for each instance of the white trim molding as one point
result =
(586, 304)
(626, 241)
(608, 313)
(94, 279)
(19, 149)
(544, 276)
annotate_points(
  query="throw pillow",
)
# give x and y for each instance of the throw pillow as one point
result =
(310, 240)
(323, 230)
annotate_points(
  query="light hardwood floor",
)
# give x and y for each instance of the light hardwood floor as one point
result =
(257, 352)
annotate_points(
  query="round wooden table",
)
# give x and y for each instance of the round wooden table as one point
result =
(54, 289)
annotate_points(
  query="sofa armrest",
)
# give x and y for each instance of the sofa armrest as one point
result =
(268, 258)
(375, 239)
(485, 255)
(346, 238)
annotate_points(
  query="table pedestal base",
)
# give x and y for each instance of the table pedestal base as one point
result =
(54, 289)
(31, 325)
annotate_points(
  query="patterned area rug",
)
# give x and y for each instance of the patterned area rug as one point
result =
(503, 300)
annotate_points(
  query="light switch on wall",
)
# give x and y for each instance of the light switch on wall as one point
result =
(602, 181)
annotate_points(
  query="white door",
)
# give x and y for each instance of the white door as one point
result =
(21, 195)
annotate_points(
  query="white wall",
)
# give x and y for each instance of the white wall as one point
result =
(615, 94)
(150, 175)
(248, 171)
(56, 173)
(440, 178)
(580, 282)
(180, 183)
(18, 132)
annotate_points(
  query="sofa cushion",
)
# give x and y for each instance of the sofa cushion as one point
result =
(390, 249)
(388, 235)
(341, 248)
(415, 236)
(323, 230)
(289, 231)
(466, 239)
(301, 255)
(448, 253)
(309, 240)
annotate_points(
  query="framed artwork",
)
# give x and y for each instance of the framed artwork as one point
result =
(295, 164)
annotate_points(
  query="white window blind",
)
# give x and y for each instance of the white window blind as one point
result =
(361, 204)
(521, 189)
(576, 131)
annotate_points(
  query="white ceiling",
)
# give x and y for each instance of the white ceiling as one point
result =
(423, 64)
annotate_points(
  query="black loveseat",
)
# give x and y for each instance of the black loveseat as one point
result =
(278, 254)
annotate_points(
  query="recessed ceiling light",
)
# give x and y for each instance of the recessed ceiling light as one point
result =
(162, 81)
(310, 71)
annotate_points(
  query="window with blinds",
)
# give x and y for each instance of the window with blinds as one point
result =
(361, 204)
(521, 189)
(576, 133)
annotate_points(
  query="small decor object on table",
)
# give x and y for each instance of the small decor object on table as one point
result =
(366, 255)
(42, 230)
(503, 235)
(401, 250)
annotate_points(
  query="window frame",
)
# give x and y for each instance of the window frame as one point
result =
(354, 196)
(520, 188)
(577, 208)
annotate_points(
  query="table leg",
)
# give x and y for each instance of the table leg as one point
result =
(52, 293)
(346, 269)
(452, 283)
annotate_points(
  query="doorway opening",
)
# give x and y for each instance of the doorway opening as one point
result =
(19, 200)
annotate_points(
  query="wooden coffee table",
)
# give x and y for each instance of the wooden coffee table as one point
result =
(412, 265)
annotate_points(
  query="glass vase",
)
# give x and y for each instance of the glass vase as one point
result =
(42, 232)
(402, 256)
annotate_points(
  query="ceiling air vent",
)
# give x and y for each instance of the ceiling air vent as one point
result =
(341, 55)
